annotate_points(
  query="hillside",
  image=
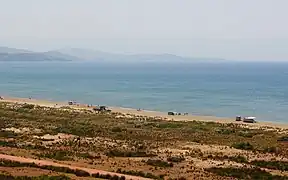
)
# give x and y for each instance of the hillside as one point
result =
(75, 54)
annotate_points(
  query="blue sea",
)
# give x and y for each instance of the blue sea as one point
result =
(214, 89)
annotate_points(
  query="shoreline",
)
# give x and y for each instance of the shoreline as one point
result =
(147, 113)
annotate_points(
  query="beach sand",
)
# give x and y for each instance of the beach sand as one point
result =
(160, 115)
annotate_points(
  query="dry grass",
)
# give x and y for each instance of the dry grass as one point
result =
(111, 141)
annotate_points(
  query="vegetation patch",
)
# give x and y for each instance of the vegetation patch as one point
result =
(176, 159)
(57, 155)
(44, 177)
(28, 106)
(243, 146)
(118, 153)
(108, 176)
(278, 165)
(141, 174)
(238, 158)
(226, 131)
(77, 172)
(169, 125)
(8, 143)
(158, 163)
(8, 134)
(245, 173)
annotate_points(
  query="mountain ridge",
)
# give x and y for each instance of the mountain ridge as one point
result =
(78, 54)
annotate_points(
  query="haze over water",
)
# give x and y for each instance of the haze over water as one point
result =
(216, 89)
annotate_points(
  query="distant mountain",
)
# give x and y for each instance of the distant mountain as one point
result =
(75, 54)
(99, 56)
(11, 54)
(30, 57)
(90, 55)
(12, 50)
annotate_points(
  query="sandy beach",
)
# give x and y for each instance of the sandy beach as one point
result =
(162, 115)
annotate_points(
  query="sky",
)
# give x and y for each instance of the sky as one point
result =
(231, 29)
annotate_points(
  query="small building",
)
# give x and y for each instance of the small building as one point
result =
(249, 119)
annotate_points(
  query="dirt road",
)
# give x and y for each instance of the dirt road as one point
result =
(50, 163)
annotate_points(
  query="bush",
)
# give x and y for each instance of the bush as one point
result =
(271, 150)
(122, 178)
(116, 129)
(246, 134)
(283, 139)
(226, 131)
(176, 159)
(118, 153)
(96, 175)
(44, 177)
(243, 146)
(8, 134)
(28, 106)
(8, 144)
(159, 163)
(169, 125)
(140, 174)
(245, 173)
(85, 155)
(278, 165)
(77, 172)
(58, 155)
(81, 173)
(238, 158)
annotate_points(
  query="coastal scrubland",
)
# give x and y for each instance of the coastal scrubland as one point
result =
(120, 144)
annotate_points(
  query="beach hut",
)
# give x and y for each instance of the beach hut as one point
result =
(249, 119)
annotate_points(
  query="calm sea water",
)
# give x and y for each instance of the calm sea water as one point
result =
(223, 89)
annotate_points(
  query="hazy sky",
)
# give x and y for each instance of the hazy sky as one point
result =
(232, 29)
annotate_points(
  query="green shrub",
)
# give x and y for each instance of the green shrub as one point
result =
(8, 143)
(56, 154)
(238, 158)
(77, 172)
(271, 150)
(28, 106)
(246, 134)
(81, 173)
(116, 129)
(44, 177)
(8, 134)
(283, 139)
(278, 165)
(226, 131)
(245, 173)
(85, 155)
(243, 146)
(169, 125)
(158, 163)
(176, 159)
(140, 174)
(118, 153)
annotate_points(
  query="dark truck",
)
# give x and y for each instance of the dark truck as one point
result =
(101, 109)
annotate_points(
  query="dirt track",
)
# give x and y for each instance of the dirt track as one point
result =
(50, 163)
